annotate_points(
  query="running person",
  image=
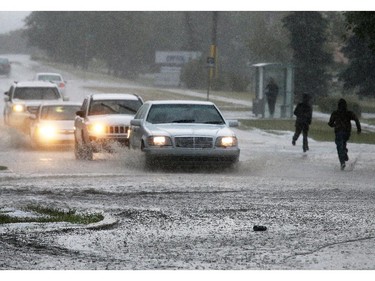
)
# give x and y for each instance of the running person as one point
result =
(341, 121)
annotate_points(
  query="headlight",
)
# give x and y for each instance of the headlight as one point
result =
(47, 132)
(226, 141)
(18, 108)
(97, 129)
(159, 141)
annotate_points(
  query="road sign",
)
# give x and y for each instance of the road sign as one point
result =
(211, 62)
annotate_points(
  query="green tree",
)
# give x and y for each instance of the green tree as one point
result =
(360, 72)
(40, 27)
(13, 43)
(359, 75)
(194, 74)
(63, 35)
(310, 57)
(127, 41)
(362, 24)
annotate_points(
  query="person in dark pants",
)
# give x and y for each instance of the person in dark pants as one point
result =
(341, 120)
(272, 90)
(303, 111)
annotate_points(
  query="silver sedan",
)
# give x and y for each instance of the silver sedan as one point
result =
(185, 131)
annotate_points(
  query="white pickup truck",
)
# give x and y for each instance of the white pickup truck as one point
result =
(23, 99)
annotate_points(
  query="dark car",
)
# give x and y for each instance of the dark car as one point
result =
(4, 66)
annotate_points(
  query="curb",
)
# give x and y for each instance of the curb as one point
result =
(6, 173)
(12, 228)
(106, 223)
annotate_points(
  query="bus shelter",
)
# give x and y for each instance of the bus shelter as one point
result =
(283, 75)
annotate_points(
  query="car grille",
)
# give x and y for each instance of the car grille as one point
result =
(32, 109)
(117, 129)
(193, 142)
(66, 132)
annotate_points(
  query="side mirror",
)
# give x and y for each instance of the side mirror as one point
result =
(233, 123)
(80, 113)
(65, 99)
(136, 122)
(6, 93)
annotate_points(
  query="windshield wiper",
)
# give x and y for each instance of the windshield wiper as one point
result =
(109, 107)
(184, 121)
(128, 108)
(214, 122)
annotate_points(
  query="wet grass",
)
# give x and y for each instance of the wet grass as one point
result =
(154, 94)
(45, 214)
(319, 130)
(3, 168)
(370, 121)
(145, 93)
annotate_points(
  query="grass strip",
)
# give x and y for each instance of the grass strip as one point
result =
(52, 215)
(319, 130)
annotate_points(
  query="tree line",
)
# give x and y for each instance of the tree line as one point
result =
(14, 43)
(126, 42)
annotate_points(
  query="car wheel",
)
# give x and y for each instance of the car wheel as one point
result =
(33, 142)
(148, 161)
(82, 152)
(77, 151)
(25, 127)
(5, 120)
(127, 143)
(233, 165)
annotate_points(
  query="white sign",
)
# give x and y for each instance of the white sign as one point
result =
(176, 57)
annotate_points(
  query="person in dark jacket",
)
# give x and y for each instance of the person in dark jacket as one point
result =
(272, 90)
(341, 120)
(303, 112)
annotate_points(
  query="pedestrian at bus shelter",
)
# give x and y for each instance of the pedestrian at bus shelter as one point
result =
(272, 90)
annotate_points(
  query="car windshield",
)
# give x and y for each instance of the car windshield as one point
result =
(36, 93)
(49, 78)
(59, 112)
(184, 113)
(4, 61)
(103, 107)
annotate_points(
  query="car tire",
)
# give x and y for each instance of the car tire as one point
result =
(233, 165)
(33, 142)
(77, 151)
(149, 163)
(5, 120)
(147, 160)
(82, 152)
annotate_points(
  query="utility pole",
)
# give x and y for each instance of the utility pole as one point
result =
(211, 60)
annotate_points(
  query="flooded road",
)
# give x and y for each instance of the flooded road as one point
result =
(317, 217)
(195, 219)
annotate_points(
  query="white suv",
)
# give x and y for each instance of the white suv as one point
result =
(23, 99)
(103, 119)
(55, 78)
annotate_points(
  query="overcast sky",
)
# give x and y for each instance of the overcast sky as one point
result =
(11, 17)
(11, 20)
